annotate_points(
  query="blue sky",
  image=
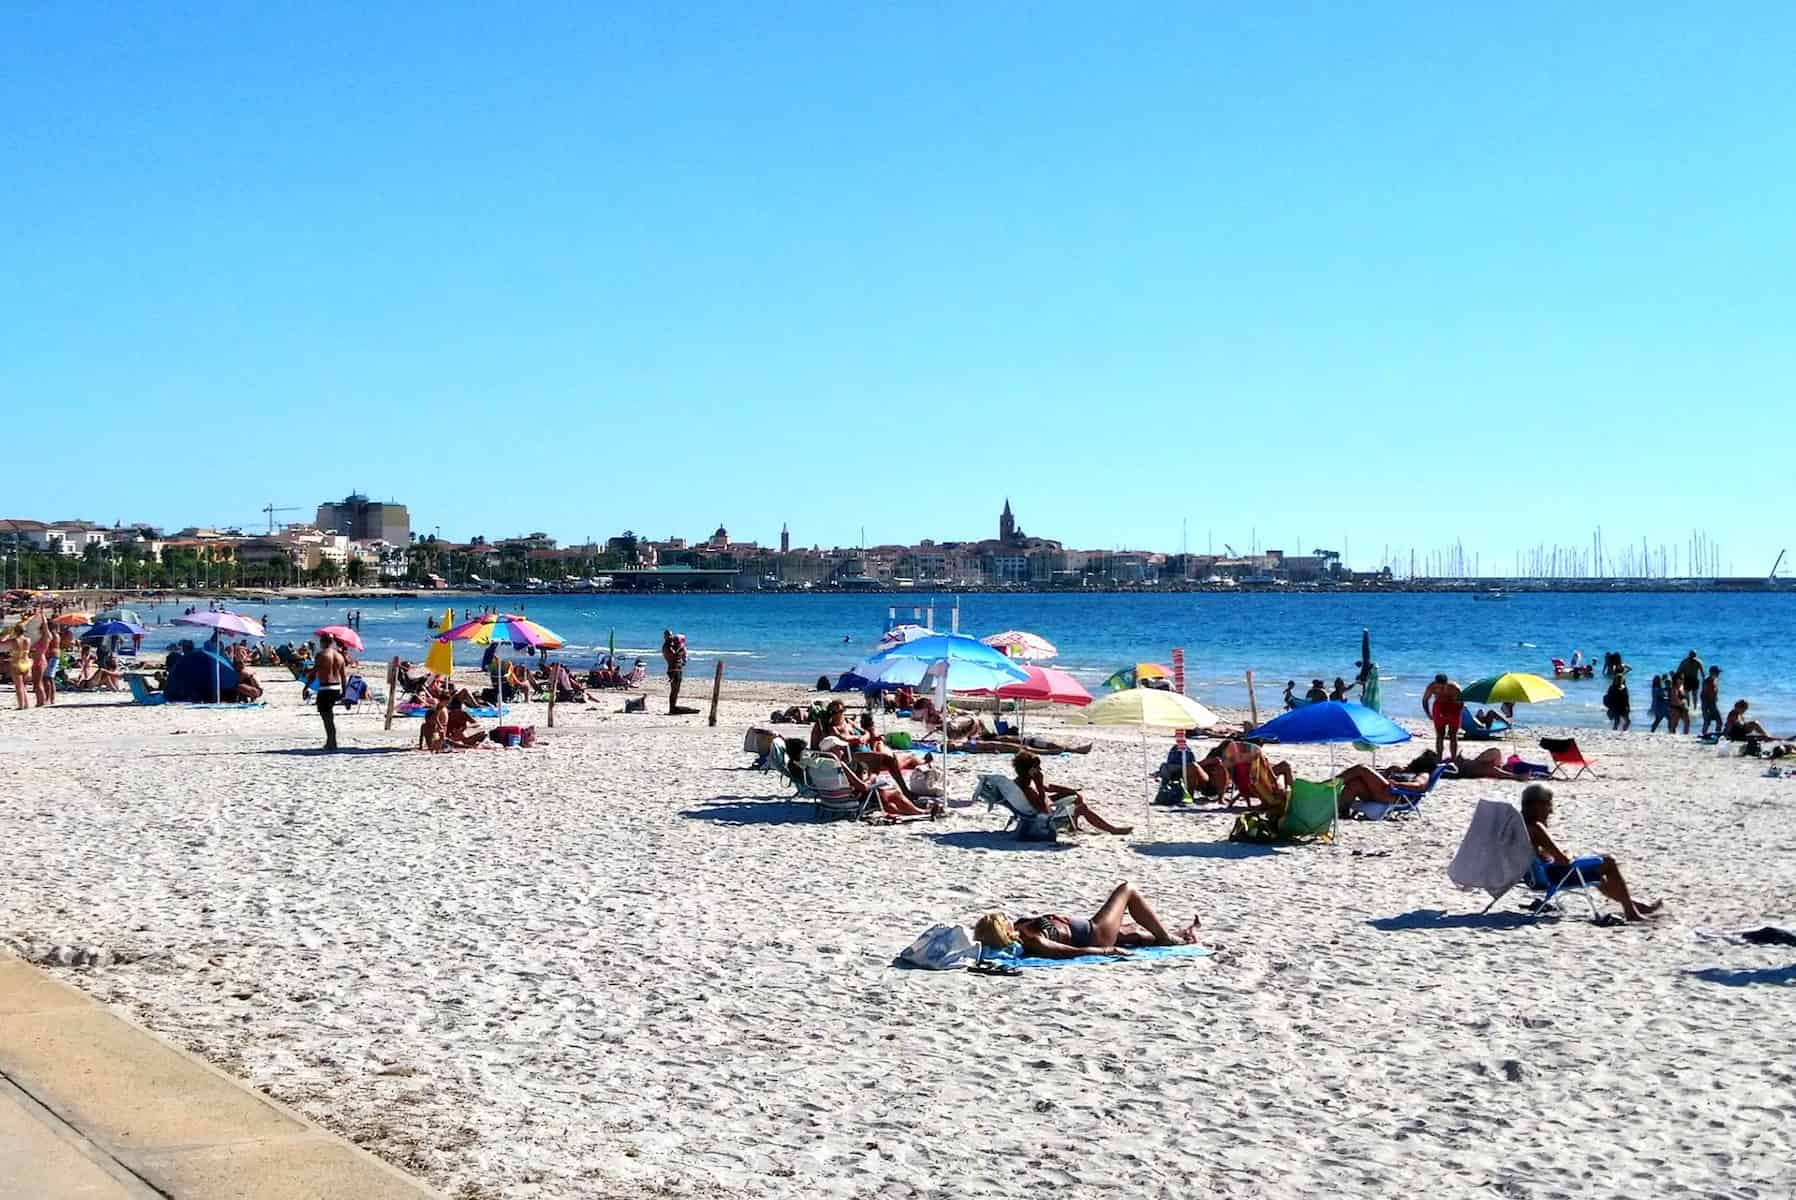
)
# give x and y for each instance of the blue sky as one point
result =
(1386, 275)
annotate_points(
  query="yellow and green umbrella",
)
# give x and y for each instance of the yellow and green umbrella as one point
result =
(1133, 675)
(1515, 687)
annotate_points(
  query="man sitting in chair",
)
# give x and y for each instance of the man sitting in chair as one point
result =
(1537, 807)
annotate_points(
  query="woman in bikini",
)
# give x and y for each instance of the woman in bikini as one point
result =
(1045, 796)
(19, 646)
(1124, 922)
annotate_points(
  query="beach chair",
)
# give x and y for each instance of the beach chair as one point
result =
(1029, 821)
(1565, 753)
(142, 692)
(831, 792)
(1469, 728)
(1409, 799)
(1495, 855)
(1311, 812)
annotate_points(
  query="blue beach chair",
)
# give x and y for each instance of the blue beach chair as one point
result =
(1409, 799)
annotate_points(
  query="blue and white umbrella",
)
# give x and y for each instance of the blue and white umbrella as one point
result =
(966, 663)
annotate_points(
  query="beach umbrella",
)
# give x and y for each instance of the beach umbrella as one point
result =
(1149, 707)
(1133, 675)
(1018, 644)
(222, 623)
(1044, 683)
(1144, 708)
(898, 635)
(1332, 722)
(1368, 672)
(99, 631)
(502, 629)
(965, 663)
(342, 633)
(439, 657)
(1515, 687)
(952, 662)
(69, 620)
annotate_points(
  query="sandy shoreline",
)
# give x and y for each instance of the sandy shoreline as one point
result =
(616, 965)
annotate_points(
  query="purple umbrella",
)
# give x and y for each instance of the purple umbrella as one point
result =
(223, 623)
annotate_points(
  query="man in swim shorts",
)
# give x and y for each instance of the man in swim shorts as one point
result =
(330, 673)
(1441, 705)
(1711, 700)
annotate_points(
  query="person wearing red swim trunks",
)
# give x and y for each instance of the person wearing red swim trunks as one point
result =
(1441, 705)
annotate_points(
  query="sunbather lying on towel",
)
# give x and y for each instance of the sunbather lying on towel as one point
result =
(1537, 808)
(1124, 921)
(1044, 795)
(1488, 765)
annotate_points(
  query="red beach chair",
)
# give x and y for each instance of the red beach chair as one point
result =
(1565, 753)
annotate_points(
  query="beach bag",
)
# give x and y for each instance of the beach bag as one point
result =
(1254, 828)
(927, 780)
(898, 740)
(1036, 827)
(758, 741)
(942, 948)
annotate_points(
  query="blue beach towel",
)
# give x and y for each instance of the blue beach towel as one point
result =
(1144, 954)
(472, 712)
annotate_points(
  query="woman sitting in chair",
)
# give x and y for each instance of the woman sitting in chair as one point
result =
(1537, 807)
(1124, 922)
(892, 803)
(1044, 795)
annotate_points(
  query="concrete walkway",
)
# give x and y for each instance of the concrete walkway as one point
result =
(95, 1107)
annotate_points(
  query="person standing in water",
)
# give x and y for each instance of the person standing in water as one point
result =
(330, 673)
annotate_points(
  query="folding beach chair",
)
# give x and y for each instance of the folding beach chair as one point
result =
(998, 790)
(1409, 799)
(1495, 855)
(142, 692)
(1470, 729)
(1311, 813)
(1565, 753)
(834, 796)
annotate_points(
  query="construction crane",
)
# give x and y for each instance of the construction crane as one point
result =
(271, 508)
(1231, 550)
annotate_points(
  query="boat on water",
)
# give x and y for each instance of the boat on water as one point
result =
(1493, 594)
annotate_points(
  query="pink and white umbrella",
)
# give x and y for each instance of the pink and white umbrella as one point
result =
(341, 633)
(224, 622)
(1017, 644)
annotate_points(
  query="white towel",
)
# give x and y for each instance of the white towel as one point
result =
(1496, 852)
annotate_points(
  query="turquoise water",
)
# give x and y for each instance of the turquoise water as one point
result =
(795, 638)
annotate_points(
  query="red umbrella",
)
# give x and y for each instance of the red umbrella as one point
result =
(342, 633)
(1045, 683)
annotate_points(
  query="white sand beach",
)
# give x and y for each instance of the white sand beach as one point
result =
(618, 964)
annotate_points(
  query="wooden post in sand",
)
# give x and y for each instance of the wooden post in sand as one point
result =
(550, 667)
(392, 687)
(1252, 707)
(716, 690)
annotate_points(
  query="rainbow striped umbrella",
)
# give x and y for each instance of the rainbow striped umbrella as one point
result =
(502, 627)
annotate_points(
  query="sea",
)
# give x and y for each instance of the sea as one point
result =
(795, 638)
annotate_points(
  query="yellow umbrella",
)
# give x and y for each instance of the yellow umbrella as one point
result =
(1147, 707)
(1516, 687)
(440, 658)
